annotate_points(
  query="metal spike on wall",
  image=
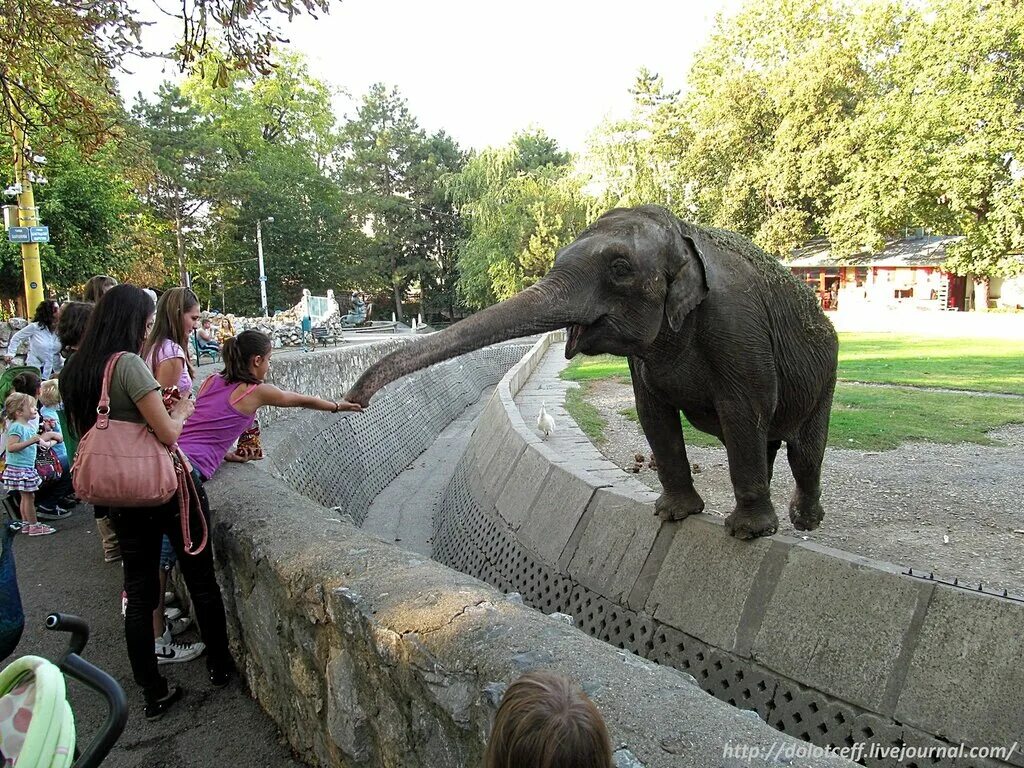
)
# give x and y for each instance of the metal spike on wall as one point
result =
(930, 576)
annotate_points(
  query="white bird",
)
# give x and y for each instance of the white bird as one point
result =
(545, 422)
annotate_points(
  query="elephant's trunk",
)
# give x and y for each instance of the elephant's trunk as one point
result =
(548, 305)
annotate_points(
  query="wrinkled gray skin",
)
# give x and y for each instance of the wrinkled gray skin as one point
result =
(711, 326)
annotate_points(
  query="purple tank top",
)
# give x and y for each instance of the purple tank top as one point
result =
(215, 425)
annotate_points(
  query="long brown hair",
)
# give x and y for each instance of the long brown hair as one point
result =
(546, 721)
(238, 353)
(117, 324)
(167, 325)
(97, 286)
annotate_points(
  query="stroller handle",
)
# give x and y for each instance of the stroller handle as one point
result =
(65, 622)
(94, 678)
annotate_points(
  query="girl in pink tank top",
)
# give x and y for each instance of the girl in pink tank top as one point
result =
(227, 403)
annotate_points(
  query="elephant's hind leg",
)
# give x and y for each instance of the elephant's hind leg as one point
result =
(805, 457)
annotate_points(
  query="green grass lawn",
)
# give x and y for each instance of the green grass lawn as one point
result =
(872, 418)
(877, 419)
(983, 365)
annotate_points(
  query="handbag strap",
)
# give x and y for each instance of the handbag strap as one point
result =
(103, 407)
(187, 493)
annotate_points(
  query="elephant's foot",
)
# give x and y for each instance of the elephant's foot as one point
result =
(678, 504)
(805, 512)
(752, 520)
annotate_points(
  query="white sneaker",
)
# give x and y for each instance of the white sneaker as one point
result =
(178, 625)
(173, 653)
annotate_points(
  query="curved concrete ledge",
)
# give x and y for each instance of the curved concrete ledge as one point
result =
(365, 654)
(345, 461)
(829, 647)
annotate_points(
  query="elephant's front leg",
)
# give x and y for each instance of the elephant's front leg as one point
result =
(744, 433)
(661, 425)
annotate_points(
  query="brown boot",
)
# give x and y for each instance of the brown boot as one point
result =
(111, 549)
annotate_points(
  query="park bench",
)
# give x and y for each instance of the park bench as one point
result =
(199, 351)
(321, 334)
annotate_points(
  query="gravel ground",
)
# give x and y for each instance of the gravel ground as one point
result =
(956, 510)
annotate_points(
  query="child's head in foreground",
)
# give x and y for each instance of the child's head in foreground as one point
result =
(546, 721)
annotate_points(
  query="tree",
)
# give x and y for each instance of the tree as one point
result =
(635, 161)
(380, 147)
(519, 214)
(271, 142)
(962, 70)
(39, 38)
(771, 98)
(97, 222)
(440, 226)
(186, 163)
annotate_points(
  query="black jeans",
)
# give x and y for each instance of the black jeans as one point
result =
(139, 531)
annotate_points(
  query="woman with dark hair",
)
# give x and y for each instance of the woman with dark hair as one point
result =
(97, 286)
(41, 335)
(74, 316)
(227, 403)
(118, 324)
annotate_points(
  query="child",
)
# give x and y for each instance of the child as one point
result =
(52, 494)
(546, 721)
(49, 419)
(227, 403)
(21, 444)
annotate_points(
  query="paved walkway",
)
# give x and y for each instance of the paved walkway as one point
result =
(403, 512)
(547, 388)
(209, 728)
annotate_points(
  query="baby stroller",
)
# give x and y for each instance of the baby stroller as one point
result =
(37, 727)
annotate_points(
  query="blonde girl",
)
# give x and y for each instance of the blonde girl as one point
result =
(20, 473)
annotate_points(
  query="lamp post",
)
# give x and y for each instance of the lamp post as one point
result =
(259, 252)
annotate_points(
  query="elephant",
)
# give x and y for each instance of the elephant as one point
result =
(711, 326)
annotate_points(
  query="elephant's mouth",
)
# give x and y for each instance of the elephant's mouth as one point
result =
(573, 339)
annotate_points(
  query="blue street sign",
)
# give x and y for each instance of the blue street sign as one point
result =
(19, 235)
(39, 234)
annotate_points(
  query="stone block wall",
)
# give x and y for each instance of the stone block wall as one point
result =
(368, 655)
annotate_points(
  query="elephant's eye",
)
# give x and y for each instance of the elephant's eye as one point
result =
(621, 268)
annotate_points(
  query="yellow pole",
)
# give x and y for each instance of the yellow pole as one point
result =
(27, 218)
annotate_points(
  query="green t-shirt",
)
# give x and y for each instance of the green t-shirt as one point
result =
(132, 381)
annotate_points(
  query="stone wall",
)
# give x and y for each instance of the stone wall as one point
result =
(367, 655)
(829, 647)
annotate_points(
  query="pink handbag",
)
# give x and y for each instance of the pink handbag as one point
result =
(123, 464)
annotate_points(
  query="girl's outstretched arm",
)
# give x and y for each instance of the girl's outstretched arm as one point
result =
(268, 394)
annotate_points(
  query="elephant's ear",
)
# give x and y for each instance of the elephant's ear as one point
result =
(688, 285)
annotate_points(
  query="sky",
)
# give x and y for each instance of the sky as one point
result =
(482, 71)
